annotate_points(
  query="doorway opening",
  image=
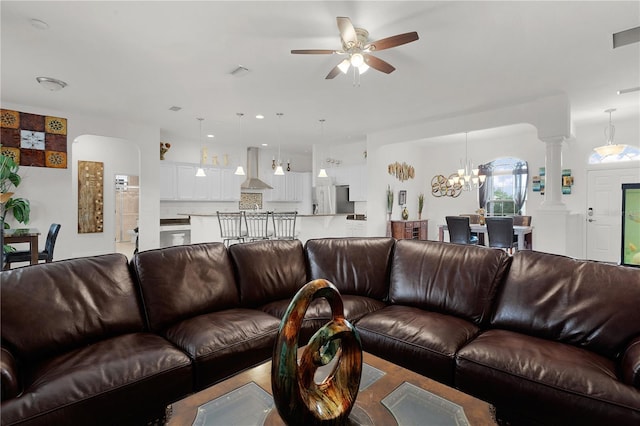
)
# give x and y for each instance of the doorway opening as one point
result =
(127, 195)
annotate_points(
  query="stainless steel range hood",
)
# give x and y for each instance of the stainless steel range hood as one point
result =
(253, 182)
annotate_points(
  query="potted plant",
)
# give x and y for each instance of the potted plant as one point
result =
(19, 207)
(420, 205)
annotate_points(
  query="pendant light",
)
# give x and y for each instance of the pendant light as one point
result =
(279, 171)
(240, 169)
(200, 172)
(323, 171)
(610, 148)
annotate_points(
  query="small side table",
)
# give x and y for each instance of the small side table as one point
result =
(409, 229)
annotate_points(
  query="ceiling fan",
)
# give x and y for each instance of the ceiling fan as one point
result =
(358, 49)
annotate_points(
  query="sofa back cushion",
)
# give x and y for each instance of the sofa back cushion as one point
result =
(185, 281)
(51, 308)
(358, 266)
(455, 279)
(267, 271)
(584, 303)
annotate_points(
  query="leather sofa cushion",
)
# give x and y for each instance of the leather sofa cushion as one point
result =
(268, 270)
(52, 308)
(185, 281)
(319, 312)
(224, 342)
(8, 375)
(630, 370)
(354, 265)
(103, 377)
(513, 370)
(460, 280)
(583, 303)
(422, 341)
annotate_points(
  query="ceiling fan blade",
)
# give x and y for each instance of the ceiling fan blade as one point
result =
(314, 52)
(334, 72)
(379, 64)
(393, 41)
(347, 31)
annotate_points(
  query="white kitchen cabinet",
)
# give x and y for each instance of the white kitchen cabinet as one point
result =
(214, 177)
(286, 188)
(279, 185)
(190, 186)
(179, 182)
(294, 182)
(167, 181)
(230, 185)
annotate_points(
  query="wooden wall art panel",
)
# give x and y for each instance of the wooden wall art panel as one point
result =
(90, 197)
(34, 140)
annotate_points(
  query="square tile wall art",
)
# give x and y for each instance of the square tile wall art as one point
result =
(34, 140)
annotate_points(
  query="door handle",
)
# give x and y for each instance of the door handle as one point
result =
(591, 220)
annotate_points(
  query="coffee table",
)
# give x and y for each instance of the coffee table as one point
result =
(384, 387)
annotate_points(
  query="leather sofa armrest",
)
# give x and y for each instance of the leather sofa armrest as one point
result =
(10, 387)
(630, 365)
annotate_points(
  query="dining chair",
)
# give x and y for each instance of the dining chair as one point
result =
(284, 225)
(25, 255)
(257, 225)
(519, 220)
(459, 230)
(500, 230)
(231, 228)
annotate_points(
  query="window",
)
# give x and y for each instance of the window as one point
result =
(505, 189)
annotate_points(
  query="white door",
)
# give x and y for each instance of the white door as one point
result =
(604, 210)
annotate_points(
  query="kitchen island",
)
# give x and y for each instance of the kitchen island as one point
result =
(205, 227)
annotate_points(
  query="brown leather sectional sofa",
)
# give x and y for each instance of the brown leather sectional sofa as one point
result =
(97, 340)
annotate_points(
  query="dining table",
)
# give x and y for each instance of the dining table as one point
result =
(24, 235)
(523, 233)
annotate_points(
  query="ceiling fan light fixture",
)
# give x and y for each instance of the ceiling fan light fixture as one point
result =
(51, 84)
(344, 66)
(357, 60)
(363, 68)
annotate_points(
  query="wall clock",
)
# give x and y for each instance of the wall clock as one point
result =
(31, 140)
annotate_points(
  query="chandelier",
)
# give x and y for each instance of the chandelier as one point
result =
(467, 178)
(610, 148)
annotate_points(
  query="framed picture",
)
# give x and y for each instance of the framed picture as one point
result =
(402, 197)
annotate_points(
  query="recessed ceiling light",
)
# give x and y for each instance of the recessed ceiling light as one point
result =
(259, 116)
(264, 144)
(211, 136)
(52, 84)
(37, 23)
